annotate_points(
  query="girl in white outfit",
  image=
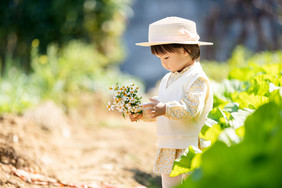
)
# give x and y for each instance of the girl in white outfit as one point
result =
(185, 95)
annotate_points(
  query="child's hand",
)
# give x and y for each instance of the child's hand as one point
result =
(135, 117)
(155, 108)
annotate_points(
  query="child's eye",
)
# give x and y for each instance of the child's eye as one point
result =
(166, 57)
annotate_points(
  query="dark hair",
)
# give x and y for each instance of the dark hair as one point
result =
(192, 49)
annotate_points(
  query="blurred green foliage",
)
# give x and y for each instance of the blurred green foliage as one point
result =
(212, 69)
(17, 91)
(254, 162)
(241, 57)
(99, 22)
(59, 75)
(55, 49)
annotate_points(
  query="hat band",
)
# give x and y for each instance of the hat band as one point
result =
(183, 36)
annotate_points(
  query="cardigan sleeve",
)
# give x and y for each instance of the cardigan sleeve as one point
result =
(147, 118)
(192, 103)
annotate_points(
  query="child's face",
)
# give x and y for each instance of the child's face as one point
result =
(176, 61)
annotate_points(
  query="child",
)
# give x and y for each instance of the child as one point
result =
(185, 95)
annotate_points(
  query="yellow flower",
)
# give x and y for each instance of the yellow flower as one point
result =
(35, 43)
(43, 59)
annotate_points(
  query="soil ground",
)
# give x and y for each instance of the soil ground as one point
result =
(86, 145)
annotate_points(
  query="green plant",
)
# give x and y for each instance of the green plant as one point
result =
(254, 162)
(98, 22)
(17, 92)
(238, 99)
(59, 75)
(212, 69)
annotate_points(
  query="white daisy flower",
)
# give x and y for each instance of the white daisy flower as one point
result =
(120, 108)
(110, 107)
(125, 100)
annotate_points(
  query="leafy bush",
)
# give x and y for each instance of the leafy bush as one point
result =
(254, 162)
(100, 22)
(74, 45)
(212, 69)
(58, 75)
(17, 92)
(240, 153)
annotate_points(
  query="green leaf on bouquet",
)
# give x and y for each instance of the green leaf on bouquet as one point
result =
(186, 162)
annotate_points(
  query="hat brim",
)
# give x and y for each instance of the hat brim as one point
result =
(163, 42)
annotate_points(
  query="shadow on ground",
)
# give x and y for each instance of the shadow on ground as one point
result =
(146, 179)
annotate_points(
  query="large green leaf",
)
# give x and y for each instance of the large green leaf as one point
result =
(230, 116)
(239, 117)
(254, 162)
(229, 137)
(224, 90)
(231, 107)
(211, 133)
(273, 69)
(185, 163)
(250, 101)
(261, 84)
(243, 74)
(217, 115)
(213, 126)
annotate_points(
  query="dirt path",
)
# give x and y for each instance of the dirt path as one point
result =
(121, 155)
(81, 147)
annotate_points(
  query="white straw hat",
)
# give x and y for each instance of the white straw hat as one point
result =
(173, 30)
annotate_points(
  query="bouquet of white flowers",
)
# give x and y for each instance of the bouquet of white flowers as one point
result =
(125, 99)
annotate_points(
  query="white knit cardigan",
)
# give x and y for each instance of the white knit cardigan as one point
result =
(179, 134)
